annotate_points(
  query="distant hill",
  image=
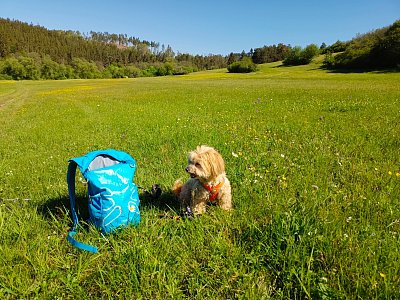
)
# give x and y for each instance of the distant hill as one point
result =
(33, 52)
(62, 46)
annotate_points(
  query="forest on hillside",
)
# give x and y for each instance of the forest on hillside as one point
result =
(33, 52)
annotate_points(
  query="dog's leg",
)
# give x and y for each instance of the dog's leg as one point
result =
(185, 197)
(199, 207)
(225, 202)
(198, 202)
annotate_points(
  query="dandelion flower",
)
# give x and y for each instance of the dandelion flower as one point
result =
(390, 173)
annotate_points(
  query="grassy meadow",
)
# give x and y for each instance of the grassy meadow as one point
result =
(313, 158)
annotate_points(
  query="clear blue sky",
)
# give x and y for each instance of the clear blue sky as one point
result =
(212, 26)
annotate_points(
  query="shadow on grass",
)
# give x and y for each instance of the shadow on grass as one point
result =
(346, 70)
(59, 207)
(282, 66)
(166, 202)
(360, 70)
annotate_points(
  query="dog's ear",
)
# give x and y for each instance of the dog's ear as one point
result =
(217, 165)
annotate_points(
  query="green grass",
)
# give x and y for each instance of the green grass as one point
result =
(313, 158)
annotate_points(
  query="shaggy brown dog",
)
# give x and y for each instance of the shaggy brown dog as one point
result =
(208, 181)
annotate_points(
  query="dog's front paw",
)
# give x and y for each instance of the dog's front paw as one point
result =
(188, 213)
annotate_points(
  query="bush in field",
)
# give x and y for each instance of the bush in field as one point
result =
(338, 46)
(31, 67)
(329, 61)
(246, 65)
(294, 57)
(309, 53)
(115, 71)
(182, 70)
(132, 72)
(12, 68)
(65, 71)
(149, 71)
(165, 69)
(3, 74)
(84, 69)
(20, 68)
(5, 77)
(51, 70)
(268, 54)
(299, 56)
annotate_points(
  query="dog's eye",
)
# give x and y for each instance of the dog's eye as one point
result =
(197, 165)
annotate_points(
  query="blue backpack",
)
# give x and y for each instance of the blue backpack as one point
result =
(113, 197)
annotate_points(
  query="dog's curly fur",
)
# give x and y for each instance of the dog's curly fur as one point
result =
(206, 167)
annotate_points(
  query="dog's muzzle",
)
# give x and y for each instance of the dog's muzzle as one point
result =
(192, 175)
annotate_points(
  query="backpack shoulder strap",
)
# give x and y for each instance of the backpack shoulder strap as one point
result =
(71, 191)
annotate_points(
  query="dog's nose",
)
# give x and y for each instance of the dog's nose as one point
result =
(187, 169)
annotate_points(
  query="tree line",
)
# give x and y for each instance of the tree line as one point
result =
(378, 49)
(30, 51)
(17, 37)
